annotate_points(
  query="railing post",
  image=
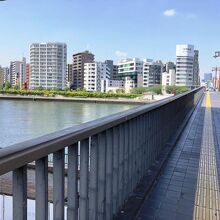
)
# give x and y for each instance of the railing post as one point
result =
(58, 185)
(121, 165)
(131, 156)
(93, 178)
(72, 185)
(41, 208)
(109, 173)
(126, 161)
(20, 193)
(115, 168)
(84, 172)
(101, 175)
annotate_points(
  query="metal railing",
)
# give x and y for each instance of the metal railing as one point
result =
(115, 153)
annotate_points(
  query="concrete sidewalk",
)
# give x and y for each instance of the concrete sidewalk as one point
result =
(188, 187)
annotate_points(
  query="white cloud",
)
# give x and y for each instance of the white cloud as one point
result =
(121, 54)
(170, 13)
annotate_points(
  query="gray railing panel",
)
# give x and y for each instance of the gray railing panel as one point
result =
(41, 208)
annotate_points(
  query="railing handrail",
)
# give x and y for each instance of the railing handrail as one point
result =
(20, 154)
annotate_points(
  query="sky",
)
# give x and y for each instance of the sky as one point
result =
(112, 29)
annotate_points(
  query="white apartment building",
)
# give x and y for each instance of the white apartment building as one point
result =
(1, 76)
(17, 72)
(130, 69)
(169, 78)
(48, 63)
(6, 74)
(185, 65)
(152, 72)
(96, 75)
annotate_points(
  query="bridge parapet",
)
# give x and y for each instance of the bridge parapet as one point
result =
(106, 159)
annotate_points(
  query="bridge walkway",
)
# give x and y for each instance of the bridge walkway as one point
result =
(188, 187)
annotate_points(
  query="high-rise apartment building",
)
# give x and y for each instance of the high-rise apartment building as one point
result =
(79, 60)
(152, 73)
(96, 75)
(27, 79)
(187, 66)
(6, 74)
(1, 76)
(130, 68)
(48, 63)
(17, 72)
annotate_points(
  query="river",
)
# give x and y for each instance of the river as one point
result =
(23, 120)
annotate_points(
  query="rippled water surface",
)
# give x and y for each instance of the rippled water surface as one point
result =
(23, 120)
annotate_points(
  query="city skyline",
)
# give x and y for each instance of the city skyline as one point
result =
(151, 31)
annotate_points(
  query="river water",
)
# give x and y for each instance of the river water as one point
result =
(23, 120)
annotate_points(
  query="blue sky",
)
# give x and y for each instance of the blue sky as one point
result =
(112, 28)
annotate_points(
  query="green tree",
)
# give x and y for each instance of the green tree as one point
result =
(7, 85)
(16, 87)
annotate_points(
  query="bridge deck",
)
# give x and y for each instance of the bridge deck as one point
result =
(188, 187)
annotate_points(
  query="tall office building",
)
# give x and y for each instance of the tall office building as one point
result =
(79, 60)
(96, 76)
(48, 63)
(17, 72)
(130, 69)
(115, 72)
(111, 67)
(187, 66)
(152, 73)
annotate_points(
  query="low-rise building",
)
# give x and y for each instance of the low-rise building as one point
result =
(115, 86)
